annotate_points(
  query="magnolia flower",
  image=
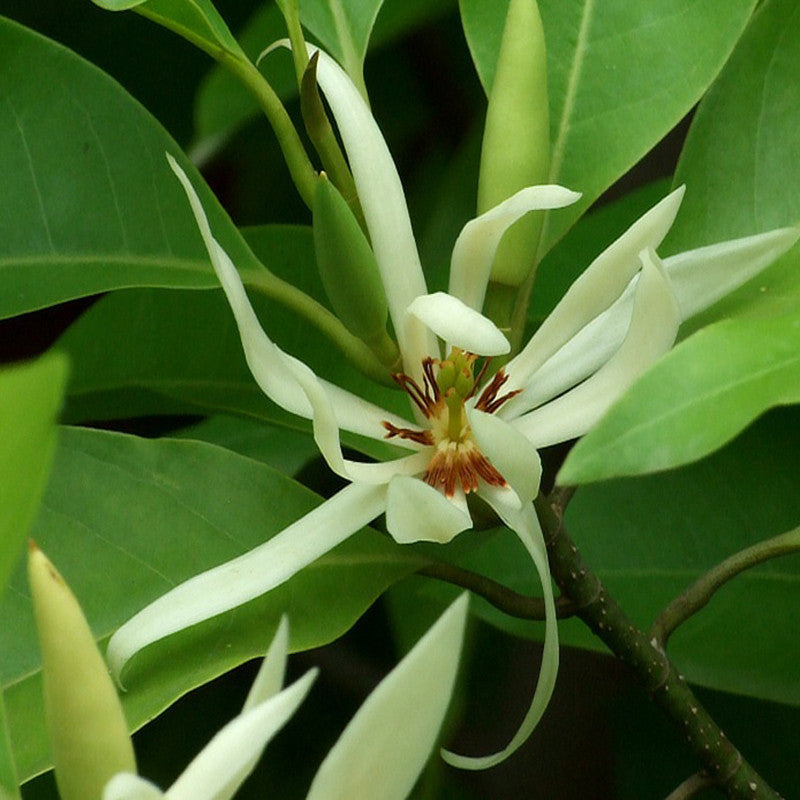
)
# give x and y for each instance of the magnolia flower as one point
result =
(374, 758)
(468, 434)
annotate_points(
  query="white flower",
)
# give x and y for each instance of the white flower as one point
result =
(620, 316)
(381, 752)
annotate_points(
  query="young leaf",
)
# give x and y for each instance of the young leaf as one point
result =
(697, 398)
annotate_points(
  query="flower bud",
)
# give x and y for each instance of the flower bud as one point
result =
(349, 271)
(516, 139)
(88, 733)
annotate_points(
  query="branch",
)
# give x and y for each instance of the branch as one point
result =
(699, 593)
(501, 597)
(599, 611)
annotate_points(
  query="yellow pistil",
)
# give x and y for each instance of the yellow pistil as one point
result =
(457, 459)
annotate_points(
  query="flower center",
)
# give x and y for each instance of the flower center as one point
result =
(446, 386)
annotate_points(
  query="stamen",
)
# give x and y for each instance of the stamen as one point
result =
(489, 401)
(421, 437)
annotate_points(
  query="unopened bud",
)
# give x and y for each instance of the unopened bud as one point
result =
(88, 733)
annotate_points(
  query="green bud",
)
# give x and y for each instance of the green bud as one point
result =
(88, 734)
(516, 138)
(349, 271)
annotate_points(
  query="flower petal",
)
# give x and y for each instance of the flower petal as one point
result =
(386, 745)
(127, 786)
(266, 360)
(513, 455)
(653, 328)
(384, 204)
(416, 512)
(525, 524)
(459, 325)
(698, 277)
(269, 679)
(326, 435)
(596, 289)
(220, 768)
(250, 575)
(474, 250)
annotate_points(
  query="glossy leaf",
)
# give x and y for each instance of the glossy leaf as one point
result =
(30, 398)
(89, 203)
(740, 160)
(697, 398)
(196, 20)
(665, 531)
(621, 75)
(128, 518)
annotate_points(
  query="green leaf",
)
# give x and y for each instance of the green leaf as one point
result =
(89, 203)
(30, 398)
(126, 519)
(195, 20)
(9, 783)
(343, 27)
(740, 158)
(621, 75)
(650, 537)
(693, 401)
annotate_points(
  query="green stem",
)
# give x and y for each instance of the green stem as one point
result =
(501, 597)
(358, 353)
(601, 613)
(300, 167)
(699, 594)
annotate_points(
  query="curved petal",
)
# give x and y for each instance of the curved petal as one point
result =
(474, 250)
(698, 277)
(416, 512)
(269, 679)
(459, 325)
(384, 204)
(653, 328)
(326, 435)
(250, 575)
(513, 455)
(220, 768)
(596, 289)
(386, 745)
(266, 360)
(127, 786)
(525, 524)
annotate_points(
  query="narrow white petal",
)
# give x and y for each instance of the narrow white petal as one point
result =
(459, 325)
(653, 328)
(525, 524)
(126, 786)
(326, 435)
(384, 204)
(698, 278)
(475, 248)
(220, 768)
(250, 575)
(269, 679)
(596, 289)
(416, 512)
(386, 745)
(513, 455)
(703, 276)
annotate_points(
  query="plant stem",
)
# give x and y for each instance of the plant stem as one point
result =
(700, 592)
(501, 597)
(690, 787)
(600, 612)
